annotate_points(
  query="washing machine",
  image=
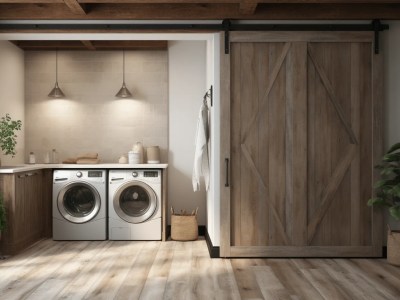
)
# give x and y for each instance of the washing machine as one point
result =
(79, 205)
(134, 205)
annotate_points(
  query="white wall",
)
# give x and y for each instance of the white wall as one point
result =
(391, 51)
(213, 195)
(187, 85)
(90, 118)
(12, 94)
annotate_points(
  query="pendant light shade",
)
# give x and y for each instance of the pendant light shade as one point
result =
(123, 92)
(56, 92)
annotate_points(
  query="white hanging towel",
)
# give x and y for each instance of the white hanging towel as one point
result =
(201, 161)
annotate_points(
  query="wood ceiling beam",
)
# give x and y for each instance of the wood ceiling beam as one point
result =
(205, 1)
(202, 12)
(76, 7)
(88, 45)
(91, 45)
(248, 7)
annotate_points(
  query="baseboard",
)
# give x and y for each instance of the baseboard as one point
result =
(213, 250)
(201, 229)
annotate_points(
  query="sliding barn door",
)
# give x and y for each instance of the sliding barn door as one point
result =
(301, 134)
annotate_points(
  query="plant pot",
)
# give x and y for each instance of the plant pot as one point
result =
(393, 247)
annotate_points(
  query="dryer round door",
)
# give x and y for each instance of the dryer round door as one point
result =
(135, 202)
(78, 202)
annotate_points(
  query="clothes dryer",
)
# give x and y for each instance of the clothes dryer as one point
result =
(134, 204)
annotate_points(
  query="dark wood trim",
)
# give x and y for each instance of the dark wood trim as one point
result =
(202, 11)
(213, 250)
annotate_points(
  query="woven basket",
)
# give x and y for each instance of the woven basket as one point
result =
(184, 226)
(393, 247)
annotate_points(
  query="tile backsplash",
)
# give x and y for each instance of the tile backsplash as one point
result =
(90, 117)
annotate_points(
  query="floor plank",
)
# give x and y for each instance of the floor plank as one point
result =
(183, 270)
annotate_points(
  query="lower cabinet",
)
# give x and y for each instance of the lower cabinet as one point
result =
(27, 198)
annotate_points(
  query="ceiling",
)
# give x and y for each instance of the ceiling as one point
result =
(199, 9)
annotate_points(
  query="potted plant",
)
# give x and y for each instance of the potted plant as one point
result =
(388, 195)
(8, 138)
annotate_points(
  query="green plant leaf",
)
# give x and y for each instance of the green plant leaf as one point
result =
(395, 212)
(389, 170)
(391, 157)
(384, 183)
(395, 191)
(377, 201)
(7, 134)
(395, 147)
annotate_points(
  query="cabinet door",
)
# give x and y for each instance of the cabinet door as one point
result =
(300, 113)
(34, 215)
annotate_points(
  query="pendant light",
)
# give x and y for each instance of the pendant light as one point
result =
(56, 92)
(123, 92)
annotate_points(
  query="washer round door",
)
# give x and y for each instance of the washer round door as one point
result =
(78, 202)
(135, 202)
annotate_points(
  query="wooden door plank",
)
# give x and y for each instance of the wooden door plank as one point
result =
(249, 106)
(332, 96)
(322, 155)
(366, 140)
(263, 211)
(278, 221)
(235, 150)
(277, 154)
(296, 143)
(329, 191)
(272, 78)
(356, 163)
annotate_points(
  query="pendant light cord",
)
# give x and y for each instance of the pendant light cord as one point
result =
(56, 66)
(123, 66)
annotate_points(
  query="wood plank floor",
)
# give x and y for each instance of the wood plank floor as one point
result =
(174, 270)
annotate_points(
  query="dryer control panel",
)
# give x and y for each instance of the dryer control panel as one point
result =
(150, 174)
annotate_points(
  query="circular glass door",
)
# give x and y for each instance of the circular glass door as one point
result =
(78, 202)
(135, 202)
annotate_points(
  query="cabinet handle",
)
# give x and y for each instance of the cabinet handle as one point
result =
(21, 176)
(30, 174)
(226, 172)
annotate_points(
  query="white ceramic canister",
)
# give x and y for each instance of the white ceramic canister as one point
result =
(32, 158)
(138, 148)
(153, 155)
(133, 158)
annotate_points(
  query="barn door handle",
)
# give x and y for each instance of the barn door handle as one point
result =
(226, 172)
